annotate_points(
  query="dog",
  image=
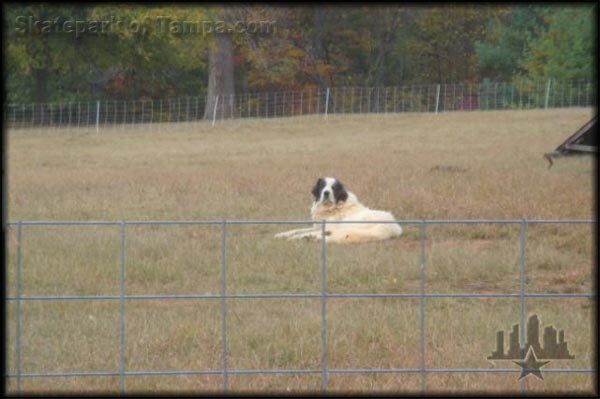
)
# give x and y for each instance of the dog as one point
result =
(333, 202)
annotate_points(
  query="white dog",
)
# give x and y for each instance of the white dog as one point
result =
(334, 202)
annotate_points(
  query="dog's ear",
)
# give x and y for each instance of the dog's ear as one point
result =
(339, 191)
(316, 191)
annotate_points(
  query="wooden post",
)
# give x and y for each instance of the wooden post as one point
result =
(547, 94)
(326, 102)
(97, 116)
(215, 110)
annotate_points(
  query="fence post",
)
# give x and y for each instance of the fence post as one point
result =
(422, 303)
(122, 308)
(151, 112)
(587, 93)
(18, 310)
(143, 104)
(324, 352)
(522, 245)
(326, 102)
(187, 109)
(133, 122)
(87, 115)
(437, 99)
(547, 94)
(70, 117)
(215, 110)
(223, 302)
(124, 115)
(60, 108)
(257, 106)
(50, 118)
(97, 116)
(78, 115)
(385, 100)
(14, 116)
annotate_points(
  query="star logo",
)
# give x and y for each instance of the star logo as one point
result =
(525, 349)
(531, 365)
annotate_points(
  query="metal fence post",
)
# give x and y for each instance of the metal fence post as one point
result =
(257, 106)
(143, 104)
(326, 102)
(522, 244)
(18, 311)
(587, 93)
(215, 110)
(324, 351)
(422, 304)
(60, 108)
(437, 99)
(70, 116)
(187, 109)
(78, 115)
(97, 116)
(14, 116)
(122, 308)
(547, 94)
(223, 302)
(87, 116)
(124, 115)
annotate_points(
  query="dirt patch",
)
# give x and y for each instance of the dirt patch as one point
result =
(448, 169)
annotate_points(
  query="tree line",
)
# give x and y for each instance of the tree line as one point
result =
(81, 52)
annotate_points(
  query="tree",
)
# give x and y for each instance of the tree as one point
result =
(221, 87)
(508, 35)
(443, 43)
(36, 55)
(564, 49)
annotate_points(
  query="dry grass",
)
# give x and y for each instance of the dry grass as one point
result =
(459, 165)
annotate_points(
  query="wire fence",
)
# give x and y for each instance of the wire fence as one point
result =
(324, 295)
(434, 98)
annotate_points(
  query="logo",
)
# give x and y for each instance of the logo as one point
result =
(528, 357)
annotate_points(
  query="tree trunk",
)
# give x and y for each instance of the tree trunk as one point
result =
(40, 74)
(220, 78)
(41, 85)
(318, 47)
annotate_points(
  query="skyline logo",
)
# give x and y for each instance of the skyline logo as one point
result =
(527, 357)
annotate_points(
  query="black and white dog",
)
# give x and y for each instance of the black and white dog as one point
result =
(333, 202)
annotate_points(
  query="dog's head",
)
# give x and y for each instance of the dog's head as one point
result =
(329, 191)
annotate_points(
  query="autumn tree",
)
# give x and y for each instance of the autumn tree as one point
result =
(506, 41)
(444, 42)
(36, 56)
(564, 49)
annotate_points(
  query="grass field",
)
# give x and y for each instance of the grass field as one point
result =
(458, 165)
